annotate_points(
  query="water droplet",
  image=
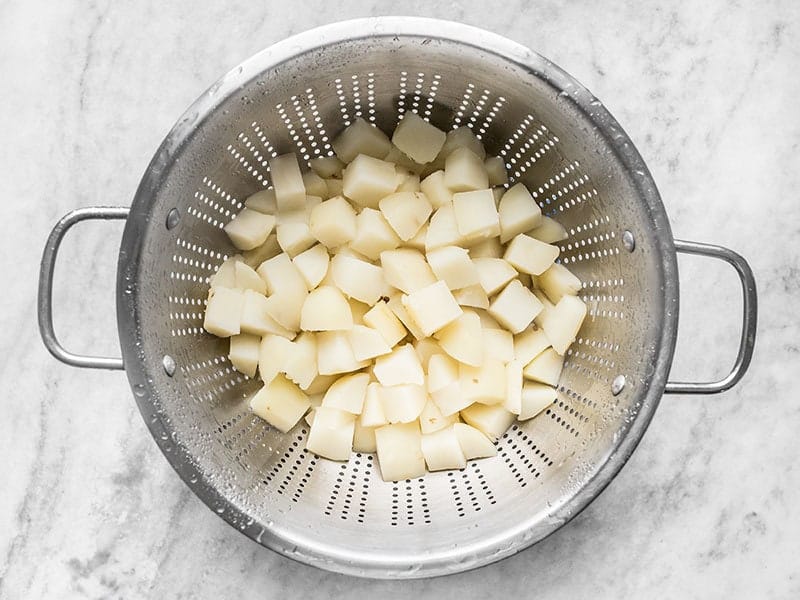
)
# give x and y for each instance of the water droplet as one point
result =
(138, 390)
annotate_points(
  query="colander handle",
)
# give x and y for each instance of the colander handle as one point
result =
(45, 303)
(750, 312)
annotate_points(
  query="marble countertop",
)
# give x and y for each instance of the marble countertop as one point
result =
(707, 506)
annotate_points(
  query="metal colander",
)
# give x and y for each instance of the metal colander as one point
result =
(555, 137)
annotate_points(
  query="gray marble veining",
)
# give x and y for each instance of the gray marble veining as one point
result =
(706, 507)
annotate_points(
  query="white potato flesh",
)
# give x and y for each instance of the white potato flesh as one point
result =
(280, 274)
(463, 339)
(286, 307)
(402, 403)
(400, 159)
(363, 438)
(262, 201)
(406, 269)
(335, 187)
(547, 306)
(333, 222)
(495, 170)
(348, 393)
(491, 420)
(464, 172)
(536, 397)
(513, 399)
(326, 309)
(545, 368)
(320, 385)
(395, 304)
(372, 415)
(405, 212)
(225, 275)
(366, 180)
(498, 192)
(462, 137)
(287, 181)
(452, 264)
(549, 231)
(474, 444)
(563, 322)
(224, 312)
(431, 418)
(442, 229)
(309, 418)
(518, 212)
(476, 215)
(399, 449)
(280, 403)
(383, 320)
(361, 138)
(272, 356)
(442, 450)
(487, 320)
(327, 166)
(315, 185)
(409, 182)
(418, 241)
(491, 248)
(558, 281)
(425, 348)
(515, 307)
(373, 234)
(359, 309)
(472, 296)
(331, 433)
(300, 362)
(418, 139)
(249, 229)
(432, 307)
(359, 279)
(312, 265)
(529, 255)
(269, 249)
(295, 237)
(256, 320)
(367, 343)
(442, 371)
(493, 274)
(243, 353)
(247, 279)
(401, 366)
(529, 344)
(449, 399)
(485, 384)
(434, 187)
(335, 355)
(499, 343)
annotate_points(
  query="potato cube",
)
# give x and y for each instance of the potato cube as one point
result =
(442, 450)
(492, 420)
(314, 184)
(373, 234)
(495, 170)
(225, 275)
(529, 255)
(269, 249)
(485, 384)
(407, 182)
(418, 241)
(405, 212)
(463, 339)
(335, 355)
(499, 344)
(300, 362)
(247, 279)
(442, 230)
(335, 187)
(361, 138)
(529, 344)
(262, 201)
(474, 444)
(536, 397)
(515, 307)
(367, 343)
(295, 237)
(442, 371)
(418, 139)
(395, 304)
(403, 403)
(432, 307)
(372, 414)
(280, 403)
(400, 159)
(425, 348)
(491, 248)
(462, 137)
(473, 296)
(224, 312)
(476, 214)
(320, 385)
(312, 265)
(348, 393)
(406, 270)
(333, 222)
(359, 279)
(493, 273)
(331, 434)
(359, 309)
(431, 418)
(518, 212)
(563, 322)
(513, 400)
(290, 192)
(286, 307)
(327, 166)
(366, 180)
(464, 172)
(434, 187)
(549, 231)
(399, 450)
(402, 365)
(243, 353)
(487, 320)
(363, 438)
(547, 307)
(249, 229)
(326, 309)
(545, 368)
(256, 320)
(453, 265)
(558, 281)
(382, 319)
(272, 355)
(449, 399)
(280, 274)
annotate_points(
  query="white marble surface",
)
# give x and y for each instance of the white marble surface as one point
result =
(706, 508)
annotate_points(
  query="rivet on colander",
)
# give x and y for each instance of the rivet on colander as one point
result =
(618, 384)
(628, 241)
(169, 365)
(173, 218)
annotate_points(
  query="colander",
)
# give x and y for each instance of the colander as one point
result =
(555, 137)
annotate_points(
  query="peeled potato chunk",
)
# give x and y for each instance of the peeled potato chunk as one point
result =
(333, 222)
(263, 201)
(249, 228)
(395, 304)
(442, 450)
(327, 166)
(359, 279)
(280, 403)
(545, 368)
(535, 398)
(382, 319)
(400, 366)
(513, 400)
(405, 212)
(247, 279)
(290, 192)
(300, 361)
(373, 234)
(518, 212)
(442, 229)
(492, 421)
(432, 307)
(563, 322)
(442, 371)
(326, 309)
(402, 403)
(473, 296)
(280, 274)
(331, 433)
(436, 190)
(367, 343)
(515, 307)
(335, 355)
(364, 438)
(256, 320)
(529, 255)
(529, 344)
(474, 444)
(464, 171)
(485, 384)
(431, 418)
(476, 214)
(499, 344)
(399, 448)
(462, 137)
(243, 353)
(295, 237)
(272, 355)
(495, 170)
(347, 393)
(418, 139)
(366, 180)
(406, 270)
(453, 265)
(463, 339)
(549, 231)
(558, 281)
(372, 414)
(360, 138)
(223, 312)
(225, 275)
(312, 265)
(493, 273)
(449, 399)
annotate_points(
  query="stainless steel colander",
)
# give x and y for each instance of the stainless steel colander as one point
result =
(556, 138)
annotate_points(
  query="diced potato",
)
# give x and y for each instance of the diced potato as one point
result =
(405, 212)
(335, 187)
(335, 355)
(432, 307)
(425, 348)
(513, 400)
(247, 279)
(549, 231)
(300, 362)
(474, 444)
(333, 222)
(529, 344)
(367, 343)
(272, 355)
(359, 309)
(361, 138)
(464, 172)
(320, 385)
(331, 433)
(249, 229)
(493, 273)
(442, 371)
(397, 157)
(473, 296)
(463, 339)
(518, 212)
(290, 193)
(373, 234)
(401, 366)
(382, 319)
(256, 320)
(280, 403)
(359, 279)
(529, 255)
(286, 307)
(492, 421)
(314, 184)
(366, 180)
(453, 265)
(442, 230)
(499, 344)
(402, 403)
(399, 450)
(269, 249)
(485, 384)
(495, 170)
(406, 270)
(408, 182)
(327, 166)
(536, 397)
(442, 450)
(326, 309)
(449, 399)
(348, 393)
(243, 353)
(558, 281)
(563, 322)
(395, 304)
(280, 274)
(434, 187)
(462, 137)
(476, 215)
(225, 276)
(224, 312)
(431, 418)
(312, 265)
(309, 418)
(363, 438)
(487, 320)
(418, 139)
(515, 307)
(418, 241)
(372, 415)
(262, 201)
(491, 248)
(295, 237)
(545, 368)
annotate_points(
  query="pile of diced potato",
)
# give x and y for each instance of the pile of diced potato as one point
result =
(399, 296)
